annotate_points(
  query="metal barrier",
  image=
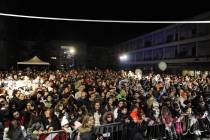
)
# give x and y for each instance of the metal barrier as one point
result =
(55, 135)
(110, 131)
(117, 131)
(181, 130)
(113, 131)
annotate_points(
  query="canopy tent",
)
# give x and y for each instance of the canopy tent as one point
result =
(33, 61)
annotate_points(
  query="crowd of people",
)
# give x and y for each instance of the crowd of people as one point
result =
(34, 103)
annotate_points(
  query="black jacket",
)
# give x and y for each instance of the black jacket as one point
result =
(55, 123)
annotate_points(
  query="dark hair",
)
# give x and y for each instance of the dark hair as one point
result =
(2, 96)
(11, 128)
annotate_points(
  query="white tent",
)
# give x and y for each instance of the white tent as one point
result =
(33, 61)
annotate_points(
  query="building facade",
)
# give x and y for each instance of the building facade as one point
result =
(184, 47)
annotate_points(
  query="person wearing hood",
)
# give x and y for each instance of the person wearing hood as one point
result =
(66, 127)
(108, 118)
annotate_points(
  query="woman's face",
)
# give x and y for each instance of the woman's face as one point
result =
(16, 115)
(29, 106)
(97, 106)
(109, 118)
(18, 94)
(110, 101)
(91, 122)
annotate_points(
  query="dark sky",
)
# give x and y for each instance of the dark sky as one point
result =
(93, 33)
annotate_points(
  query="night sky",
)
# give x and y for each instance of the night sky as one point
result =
(96, 34)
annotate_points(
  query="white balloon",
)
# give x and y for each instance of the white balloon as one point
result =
(162, 66)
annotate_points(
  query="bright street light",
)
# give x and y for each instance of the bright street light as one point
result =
(123, 57)
(53, 57)
(72, 51)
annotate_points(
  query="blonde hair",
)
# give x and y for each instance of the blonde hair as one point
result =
(86, 120)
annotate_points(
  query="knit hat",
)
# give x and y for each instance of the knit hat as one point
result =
(64, 121)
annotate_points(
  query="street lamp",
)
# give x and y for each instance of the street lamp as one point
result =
(123, 57)
(72, 51)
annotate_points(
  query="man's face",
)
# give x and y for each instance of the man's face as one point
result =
(121, 104)
(2, 101)
(168, 104)
(49, 98)
(66, 90)
(83, 95)
(4, 104)
(21, 97)
(124, 111)
(93, 96)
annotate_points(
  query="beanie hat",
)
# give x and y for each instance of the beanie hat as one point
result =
(64, 121)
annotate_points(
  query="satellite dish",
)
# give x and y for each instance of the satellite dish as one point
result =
(162, 66)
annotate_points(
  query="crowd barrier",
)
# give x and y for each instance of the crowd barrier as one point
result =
(113, 131)
(53, 135)
(117, 131)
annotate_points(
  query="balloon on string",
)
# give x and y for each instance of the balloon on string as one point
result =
(162, 66)
(138, 71)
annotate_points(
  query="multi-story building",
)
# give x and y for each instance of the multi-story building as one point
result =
(182, 46)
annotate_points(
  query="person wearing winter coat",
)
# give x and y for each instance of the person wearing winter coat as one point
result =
(85, 132)
(66, 127)
(15, 131)
(50, 120)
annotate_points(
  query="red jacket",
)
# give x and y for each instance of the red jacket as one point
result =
(135, 116)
